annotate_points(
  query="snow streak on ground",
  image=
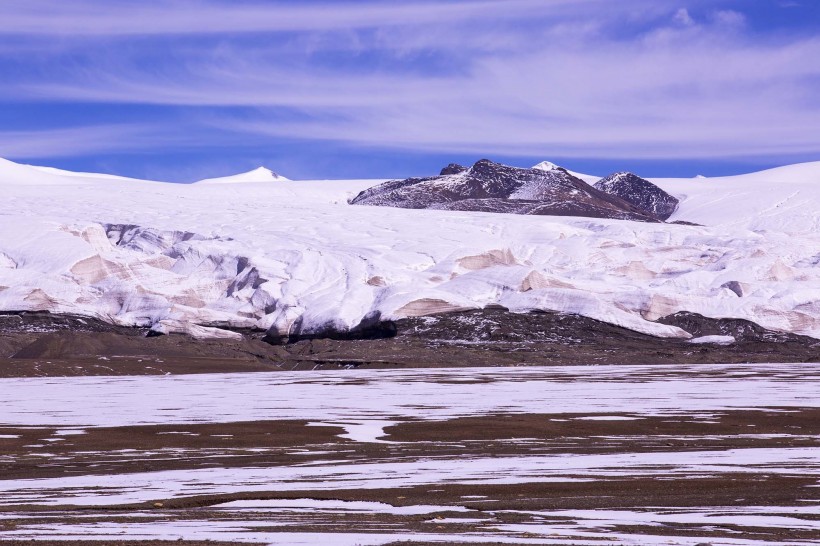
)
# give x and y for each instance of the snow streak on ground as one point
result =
(249, 531)
(146, 486)
(294, 256)
(598, 396)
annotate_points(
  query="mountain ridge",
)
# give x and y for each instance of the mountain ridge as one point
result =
(492, 187)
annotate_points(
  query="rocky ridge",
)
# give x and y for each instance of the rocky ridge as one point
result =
(493, 187)
(546, 189)
(642, 193)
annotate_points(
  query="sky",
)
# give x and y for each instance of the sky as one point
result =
(188, 89)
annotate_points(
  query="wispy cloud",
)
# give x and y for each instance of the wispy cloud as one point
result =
(87, 139)
(682, 16)
(730, 18)
(133, 18)
(583, 78)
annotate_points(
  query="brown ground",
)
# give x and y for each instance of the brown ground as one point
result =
(33, 344)
(43, 345)
(276, 443)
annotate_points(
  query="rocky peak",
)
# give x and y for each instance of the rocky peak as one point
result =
(639, 192)
(485, 167)
(452, 168)
(493, 187)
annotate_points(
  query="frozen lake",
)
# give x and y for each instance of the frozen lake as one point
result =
(721, 454)
(393, 395)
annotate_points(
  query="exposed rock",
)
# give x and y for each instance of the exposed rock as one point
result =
(371, 327)
(146, 240)
(453, 168)
(41, 322)
(736, 287)
(41, 335)
(492, 187)
(741, 330)
(498, 325)
(47, 344)
(642, 193)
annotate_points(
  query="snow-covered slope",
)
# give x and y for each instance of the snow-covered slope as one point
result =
(296, 257)
(15, 174)
(550, 166)
(80, 175)
(260, 174)
(784, 199)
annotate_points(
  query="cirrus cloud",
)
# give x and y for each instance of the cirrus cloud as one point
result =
(579, 78)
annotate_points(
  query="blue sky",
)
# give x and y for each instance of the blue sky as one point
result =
(188, 89)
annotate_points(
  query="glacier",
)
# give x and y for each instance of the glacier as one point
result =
(293, 257)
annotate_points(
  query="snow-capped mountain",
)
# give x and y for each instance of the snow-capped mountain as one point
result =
(260, 174)
(550, 166)
(642, 193)
(492, 187)
(297, 258)
(546, 166)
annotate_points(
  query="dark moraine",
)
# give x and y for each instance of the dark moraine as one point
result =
(41, 344)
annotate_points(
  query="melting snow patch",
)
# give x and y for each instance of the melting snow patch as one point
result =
(751, 516)
(606, 418)
(336, 505)
(714, 340)
(68, 432)
(461, 521)
(362, 431)
(141, 487)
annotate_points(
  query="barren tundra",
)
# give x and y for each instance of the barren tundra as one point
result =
(726, 455)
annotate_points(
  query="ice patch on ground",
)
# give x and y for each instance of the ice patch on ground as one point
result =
(716, 340)
(359, 431)
(338, 505)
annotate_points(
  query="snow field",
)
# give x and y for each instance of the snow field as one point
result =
(294, 257)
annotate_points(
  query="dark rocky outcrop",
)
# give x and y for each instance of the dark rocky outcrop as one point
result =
(371, 327)
(642, 193)
(493, 187)
(452, 168)
(742, 330)
(35, 344)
